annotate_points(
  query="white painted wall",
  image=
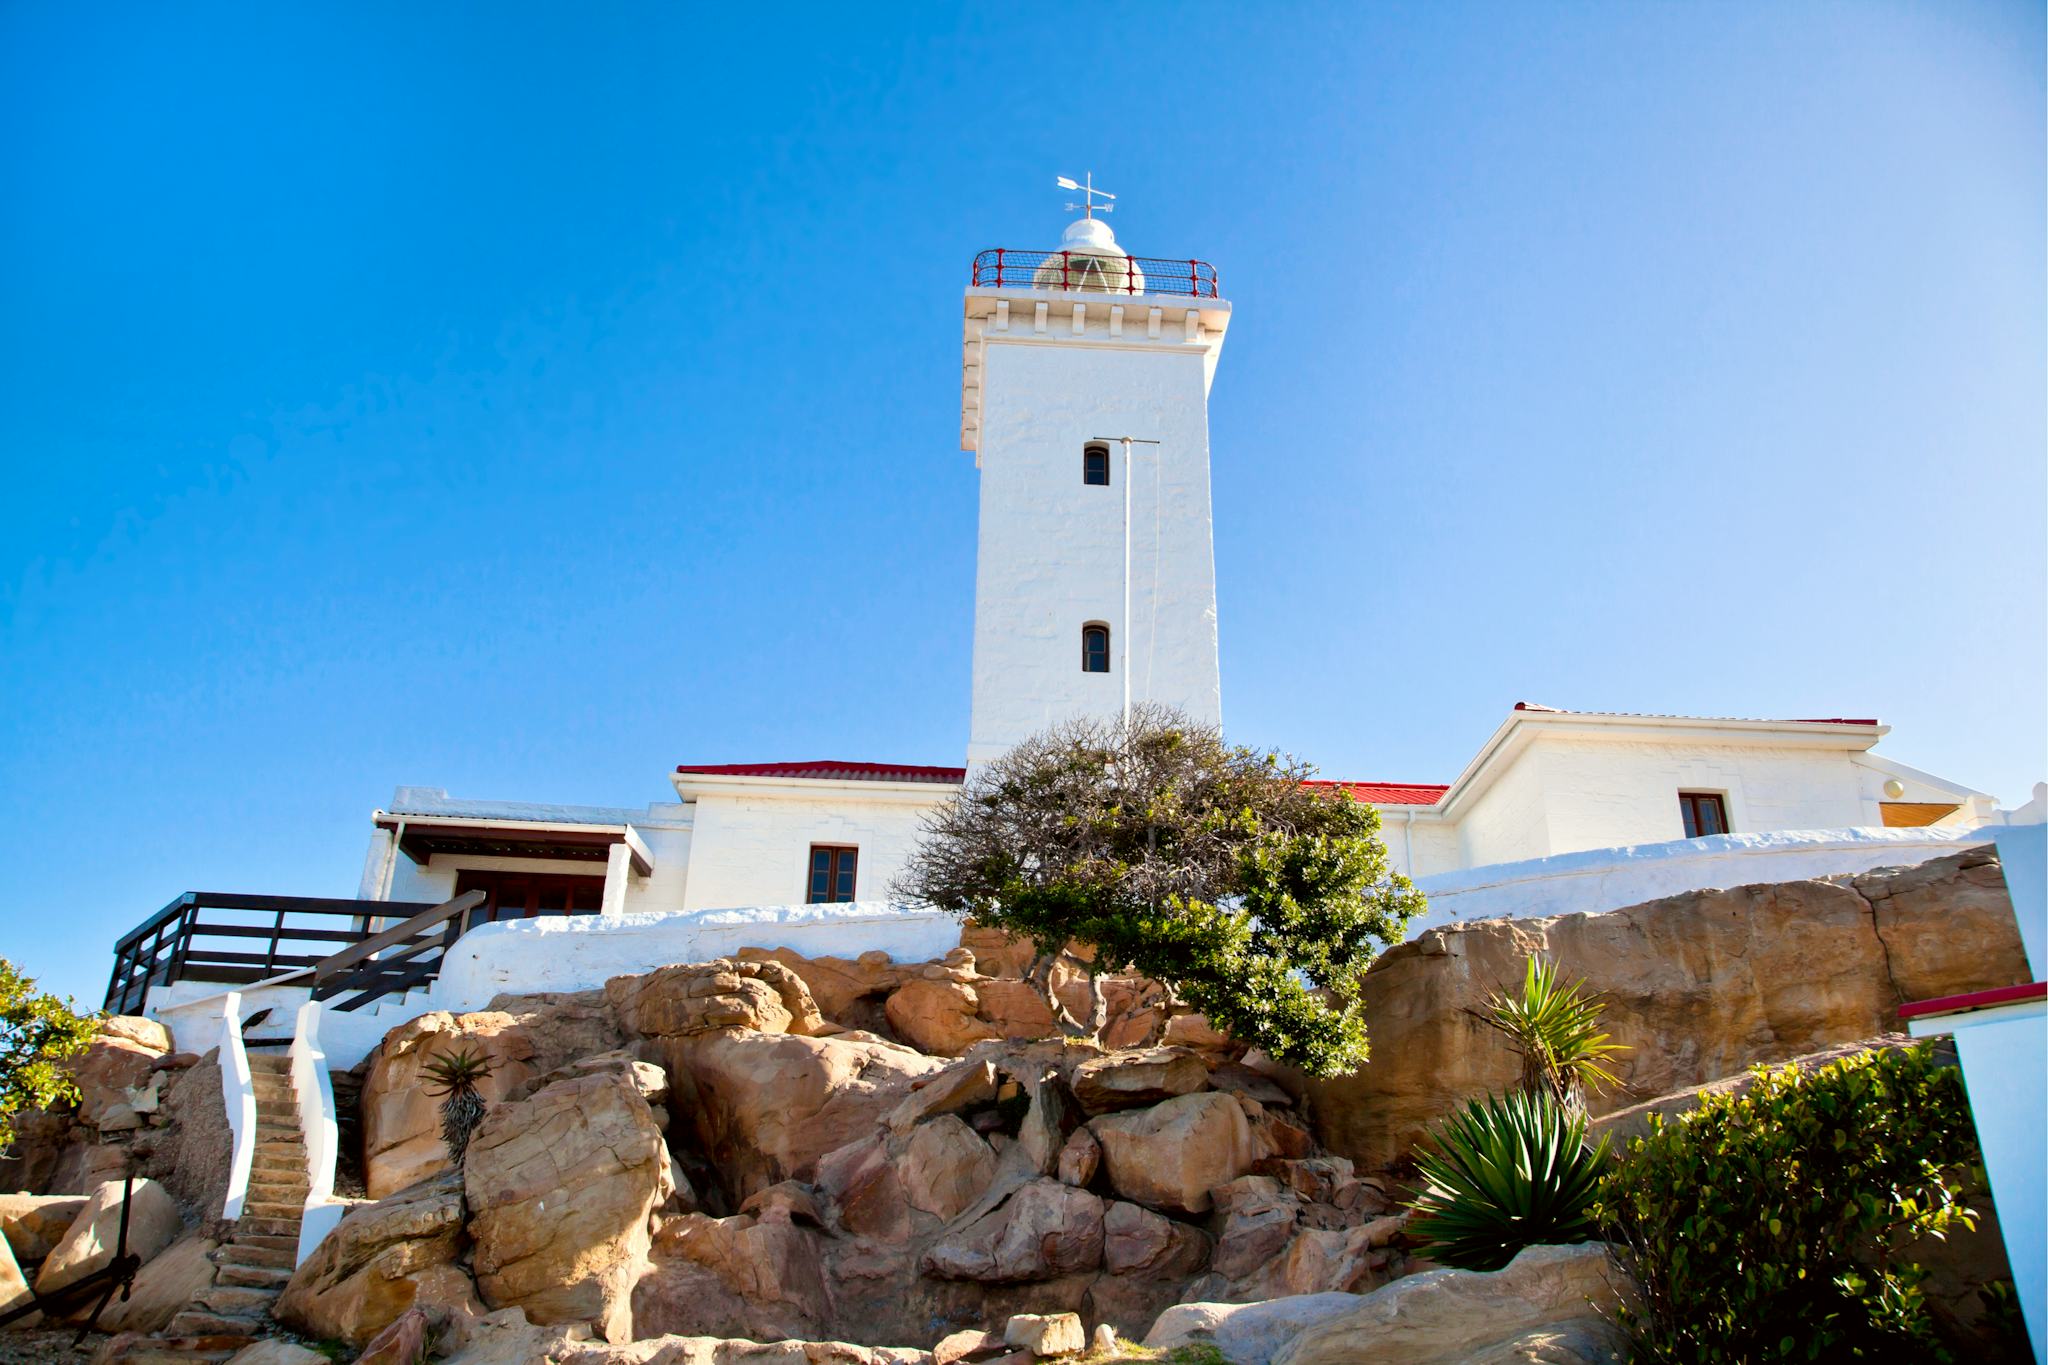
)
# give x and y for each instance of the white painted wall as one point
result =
(1510, 820)
(1611, 878)
(1051, 550)
(754, 848)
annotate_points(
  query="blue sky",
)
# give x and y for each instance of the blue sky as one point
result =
(524, 400)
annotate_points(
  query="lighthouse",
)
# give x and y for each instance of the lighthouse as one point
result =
(1084, 399)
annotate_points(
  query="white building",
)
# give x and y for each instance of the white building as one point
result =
(1085, 381)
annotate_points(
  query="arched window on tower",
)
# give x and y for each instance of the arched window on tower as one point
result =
(1095, 464)
(1095, 648)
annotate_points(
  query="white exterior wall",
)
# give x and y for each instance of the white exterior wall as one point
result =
(1419, 842)
(755, 849)
(1051, 552)
(1510, 820)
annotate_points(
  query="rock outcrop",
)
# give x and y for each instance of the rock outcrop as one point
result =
(560, 1189)
(1173, 1154)
(90, 1242)
(1697, 986)
(381, 1260)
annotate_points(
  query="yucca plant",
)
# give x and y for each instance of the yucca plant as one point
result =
(1506, 1172)
(1556, 1029)
(455, 1078)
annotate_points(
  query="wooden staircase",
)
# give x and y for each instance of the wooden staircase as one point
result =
(252, 1266)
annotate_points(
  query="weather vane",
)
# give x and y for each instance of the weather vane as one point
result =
(1088, 195)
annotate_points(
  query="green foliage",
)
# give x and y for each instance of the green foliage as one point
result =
(1556, 1029)
(1506, 1172)
(1213, 869)
(1763, 1226)
(455, 1076)
(37, 1033)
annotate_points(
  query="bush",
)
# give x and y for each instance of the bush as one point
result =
(1763, 1226)
(1556, 1030)
(1508, 1172)
(38, 1033)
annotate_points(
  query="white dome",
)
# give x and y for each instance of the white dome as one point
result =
(1092, 262)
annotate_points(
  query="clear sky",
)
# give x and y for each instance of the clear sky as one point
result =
(526, 399)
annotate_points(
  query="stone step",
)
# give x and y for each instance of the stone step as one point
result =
(134, 1350)
(261, 1225)
(278, 1166)
(238, 1301)
(273, 1142)
(260, 1258)
(277, 1196)
(242, 1274)
(276, 1213)
(257, 1241)
(200, 1322)
(270, 1061)
(282, 1183)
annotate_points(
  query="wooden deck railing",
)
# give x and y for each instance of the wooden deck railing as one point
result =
(344, 947)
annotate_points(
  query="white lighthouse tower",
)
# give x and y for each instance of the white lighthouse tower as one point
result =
(1084, 398)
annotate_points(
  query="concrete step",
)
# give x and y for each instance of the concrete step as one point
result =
(277, 1213)
(268, 1063)
(278, 1187)
(241, 1274)
(287, 1164)
(200, 1322)
(237, 1301)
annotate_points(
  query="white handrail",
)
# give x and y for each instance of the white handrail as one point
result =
(238, 1094)
(319, 1126)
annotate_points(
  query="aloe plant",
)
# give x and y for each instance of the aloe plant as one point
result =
(1506, 1172)
(455, 1076)
(1556, 1029)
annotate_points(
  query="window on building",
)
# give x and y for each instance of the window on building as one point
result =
(522, 895)
(1095, 465)
(1705, 813)
(1095, 648)
(832, 873)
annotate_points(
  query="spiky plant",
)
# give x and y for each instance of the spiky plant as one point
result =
(1506, 1172)
(1556, 1029)
(454, 1080)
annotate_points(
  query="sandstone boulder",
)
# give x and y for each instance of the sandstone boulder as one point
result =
(379, 1261)
(939, 1017)
(1137, 1241)
(1080, 1158)
(650, 1080)
(681, 1350)
(1561, 1299)
(272, 1351)
(115, 1067)
(767, 1106)
(1127, 1080)
(162, 1289)
(34, 1223)
(14, 1291)
(1046, 1334)
(963, 1085)
(946, 1167)
(866, 1193)
(402, 1117)
(1623, 1125)
(739, 1276)
(1171, 1155)
(560, 1187)
(1247, 1333)
(1698, 986)
(1044, 1230)
(89, 1244)
(693, 998)
(848, 991)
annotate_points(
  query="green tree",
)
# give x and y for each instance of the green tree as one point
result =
(37, 1033)
(1216, 870)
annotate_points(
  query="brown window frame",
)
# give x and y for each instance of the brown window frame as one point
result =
(835, 854)
(513, 894)
(1090, 454)
(1689, 805)
(1095, 628)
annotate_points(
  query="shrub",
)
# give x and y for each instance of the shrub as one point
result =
(1763, 1226)
(1507, 1172)
(37, 1033)
(1556, 1029)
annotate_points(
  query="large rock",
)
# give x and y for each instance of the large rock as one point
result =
(192, 1151)
(1247, 1333)
(14, 1290)
(743, 1276)
(402, 1116)
(696, 997)
(681, 1350)
(116, 1067)
(90, 1244)
(379, 1261)
(1625, 1125)
(560, 1187)
(1172, 1155)
(1697, 987)
(1559, 1300)
(848, 991)
(34, 1223)
(162, 1289)
(1044, 1230)
(946, 1167)
(1127, 1080)
(940, 1016)
(766, 1106)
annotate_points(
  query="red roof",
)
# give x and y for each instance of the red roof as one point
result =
(830, 770)
(1389, 793)
(834, 770)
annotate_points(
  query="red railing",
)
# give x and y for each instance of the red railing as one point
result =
(1085, 272)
